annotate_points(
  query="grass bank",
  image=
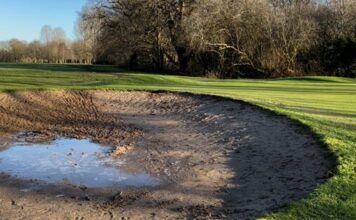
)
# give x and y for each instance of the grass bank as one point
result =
(326, 104)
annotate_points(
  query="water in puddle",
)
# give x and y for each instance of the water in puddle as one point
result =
(78, 162)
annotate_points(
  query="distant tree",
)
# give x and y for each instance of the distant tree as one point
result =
(34, 52)
(55, 44)
(18, 49)
(53, 47)
(46, 34)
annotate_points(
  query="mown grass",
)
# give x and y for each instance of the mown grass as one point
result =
(326, 104)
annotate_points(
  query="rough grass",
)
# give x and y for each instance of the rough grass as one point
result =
(326, 104)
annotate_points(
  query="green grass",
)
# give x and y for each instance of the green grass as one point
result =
(326, 104)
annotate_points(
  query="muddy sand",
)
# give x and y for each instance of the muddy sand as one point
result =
(215, 158)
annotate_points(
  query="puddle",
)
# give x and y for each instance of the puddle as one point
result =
(72, 161)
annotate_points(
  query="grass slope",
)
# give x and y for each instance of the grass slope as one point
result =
(326, 104)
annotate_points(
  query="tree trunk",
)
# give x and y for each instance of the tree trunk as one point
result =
(183, 58)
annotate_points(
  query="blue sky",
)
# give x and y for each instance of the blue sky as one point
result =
(23, 19)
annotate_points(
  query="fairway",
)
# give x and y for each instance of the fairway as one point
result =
(327, 105)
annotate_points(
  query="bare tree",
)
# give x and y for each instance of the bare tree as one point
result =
(18, 49)
(234, 38)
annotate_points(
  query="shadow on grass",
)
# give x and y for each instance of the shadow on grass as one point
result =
(64, 67)
(321, 79)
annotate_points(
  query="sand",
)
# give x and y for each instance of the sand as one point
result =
(216, 158)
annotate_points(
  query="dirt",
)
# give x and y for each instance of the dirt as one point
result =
(216, 158)
(122, 150)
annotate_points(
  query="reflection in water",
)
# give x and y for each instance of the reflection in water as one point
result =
(78, 162)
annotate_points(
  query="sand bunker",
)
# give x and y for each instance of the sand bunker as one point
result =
(216, 158)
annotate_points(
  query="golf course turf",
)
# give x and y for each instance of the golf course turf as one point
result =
(327, 105)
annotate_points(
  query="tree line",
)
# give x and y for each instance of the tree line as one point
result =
(53, 47)
(224, 38)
